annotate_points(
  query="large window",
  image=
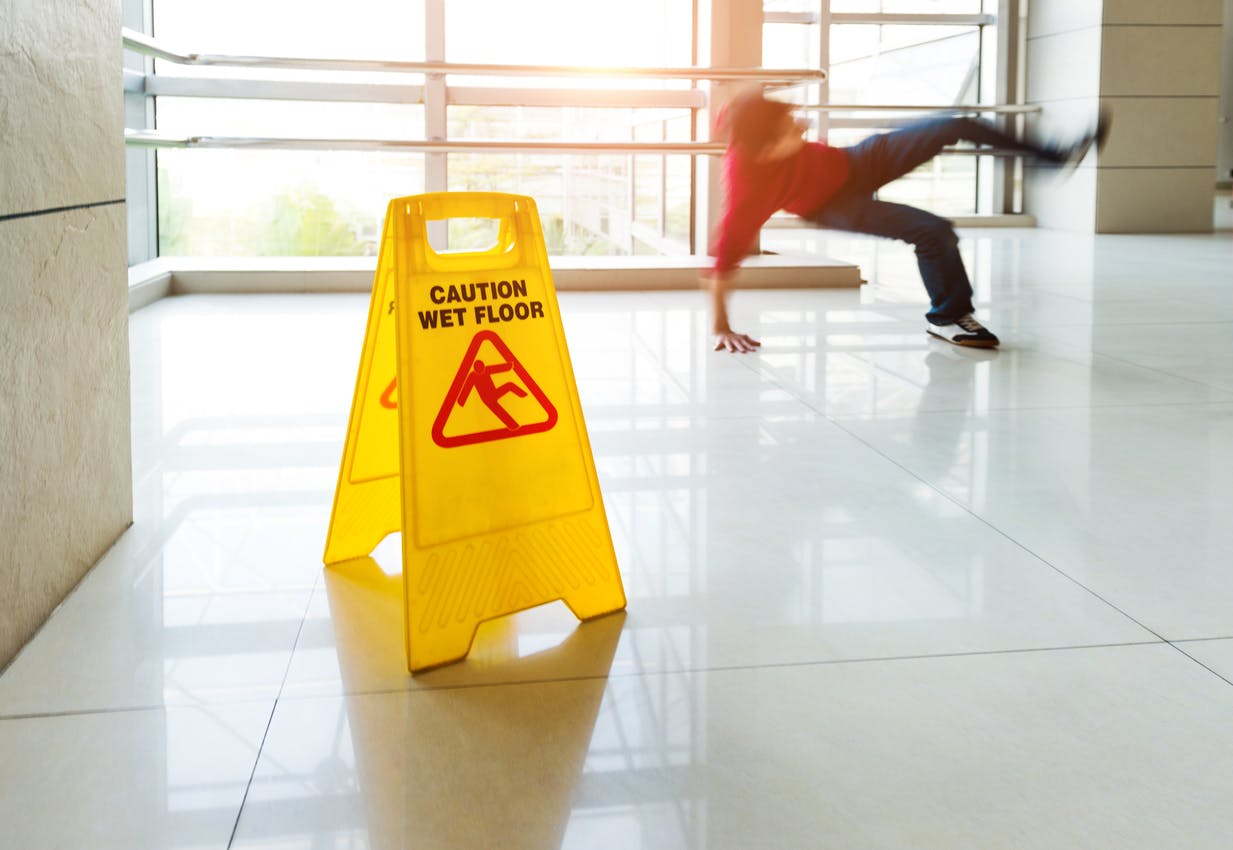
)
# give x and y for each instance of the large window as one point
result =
(324, 203)
(917, 54)
(263, 202)
(246, 199)
(592, 204)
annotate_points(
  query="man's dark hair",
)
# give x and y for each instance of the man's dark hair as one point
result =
(751, 121)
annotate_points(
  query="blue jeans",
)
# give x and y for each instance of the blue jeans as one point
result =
(888, 156)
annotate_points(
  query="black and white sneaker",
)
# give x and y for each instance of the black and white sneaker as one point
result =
(965, 331)
(1073, 155)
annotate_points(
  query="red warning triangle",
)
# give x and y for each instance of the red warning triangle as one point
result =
(480, 382)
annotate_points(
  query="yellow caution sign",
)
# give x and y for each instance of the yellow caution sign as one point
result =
(366, 501)
(500, 505)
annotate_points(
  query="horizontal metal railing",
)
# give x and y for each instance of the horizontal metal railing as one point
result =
(156, 139)
(307, 90)
(141, 43)
(882, 18)
(975, 108)
(379, 93)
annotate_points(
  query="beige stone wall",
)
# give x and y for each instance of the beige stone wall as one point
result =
(64, 386)
(1224, 155)
(1156, 67)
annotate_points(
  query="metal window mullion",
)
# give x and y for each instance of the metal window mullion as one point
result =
(789, 18)
(436, 127)
(824, 62)
(980, 62)
(605, 98)
(928, 20)
(141, 172)
(632, 188)
(663, 185)
(692, 234)
(735, 39)
(1007, 91)
(250, 89)
(135, 81)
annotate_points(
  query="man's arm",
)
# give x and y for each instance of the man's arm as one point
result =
(742, 214)
(726, 339)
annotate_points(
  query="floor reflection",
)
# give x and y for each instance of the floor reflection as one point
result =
(449, 763)
(366, 612)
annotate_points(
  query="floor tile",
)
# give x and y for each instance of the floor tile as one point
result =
(746, 542)
(857, 371)
(1120, 748)
(130, 638)
(1217, 655)
(118, 780)
(1197, 352)
(204, 607)
(652, 355)
(1130, 502)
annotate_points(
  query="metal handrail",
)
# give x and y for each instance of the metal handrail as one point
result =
(881, 18)
(141, 43)
(144, 44)
(154, 139)
(381, 92)
(998, 108)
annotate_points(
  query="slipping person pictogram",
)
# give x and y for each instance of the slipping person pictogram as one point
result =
(480, 379)
(475, 379)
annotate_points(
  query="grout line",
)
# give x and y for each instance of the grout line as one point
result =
(54, 210)
(1069, 408)
(1101, 26)
(1121, 359)
(1163, 167)
(801, 395)
(1043, 101)
(730, 668)
(689, 671)
(1187, 655)
(988, 524)
(273, 710)
(85, 712)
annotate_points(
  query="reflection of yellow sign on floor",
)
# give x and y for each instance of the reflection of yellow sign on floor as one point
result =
(500, 505)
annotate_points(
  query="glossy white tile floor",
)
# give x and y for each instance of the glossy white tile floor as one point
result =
(883, 593)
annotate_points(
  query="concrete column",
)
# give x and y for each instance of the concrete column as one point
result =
(1224, 158)
(1156, 67)
(65, 463)
(735, 42)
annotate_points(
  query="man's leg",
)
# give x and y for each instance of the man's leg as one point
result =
(888, 156)
(933, 237)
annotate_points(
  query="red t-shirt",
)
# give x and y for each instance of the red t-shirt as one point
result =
(755, 191)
